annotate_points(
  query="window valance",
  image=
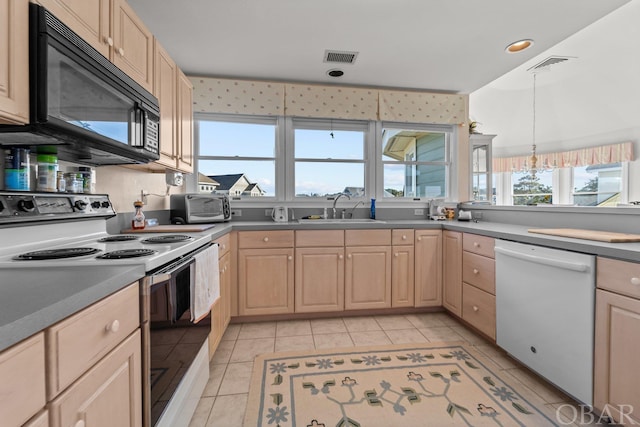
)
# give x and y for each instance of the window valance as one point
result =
(227, 96)
(604, 154)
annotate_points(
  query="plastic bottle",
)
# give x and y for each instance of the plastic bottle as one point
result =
(372, 214)
(16, 169)
(138, 223)
(47, 172)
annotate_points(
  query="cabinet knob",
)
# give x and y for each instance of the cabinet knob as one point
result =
(289, 257)
(340, 257)
(635, 281)
(404, 237)
(121, 51)
(113, 326)
(476, 244)
(419, 239)
(224, 247)
(266, 239)
(79, 423)
(109, 41)
(349, 256)
(475, 271)
(396, 254)
(475, 308)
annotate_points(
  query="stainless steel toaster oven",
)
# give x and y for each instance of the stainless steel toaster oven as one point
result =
(193, 208)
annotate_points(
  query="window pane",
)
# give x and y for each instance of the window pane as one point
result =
(413, 145)
(402, 180)
(597, 185)
(237, 139)
(241, 177)
(326, 179)
(329, 144)
(531, 190)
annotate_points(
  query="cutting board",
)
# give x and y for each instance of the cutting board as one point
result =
(176, 228)
(603, 236)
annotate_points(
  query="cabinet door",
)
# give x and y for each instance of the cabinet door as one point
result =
(368, 277)
(428, 262)
(14, 62)
(319, 284)
(164, 88)
(265, 280)
(402, 276)
(617, 377)
(452, 271)
(90, 19)
(109, 394)
(185, 123)
(225, 289)
(132, 45)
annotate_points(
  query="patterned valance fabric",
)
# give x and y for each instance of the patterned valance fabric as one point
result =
(228, 96)
(604, 154)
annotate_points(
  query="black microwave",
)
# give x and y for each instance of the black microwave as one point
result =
(79, 101)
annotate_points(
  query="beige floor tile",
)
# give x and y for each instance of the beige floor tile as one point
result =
(300, 342)
(290, 328)
(403, 336)
(247, 350)
(498, 356)
(332, 340)
(231, 334)
(370, 338)
(446, 318)
(328, 326)
(546, 391)
(361, 324)
(201, 414)
(216, 374)
(223, 352)
(391, 322)
(427, 320)
(228, 411)
(257, 330)
(468, 335)
(236, 379)
(443, 333)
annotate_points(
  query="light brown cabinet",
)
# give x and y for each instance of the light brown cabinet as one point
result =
(221, 310)
(14, 57)
(402, 268)
(40, 420)
(184, 114)
(428, 268)
(319, 271)
(452, 271)
(22, 369)
(367, 269)
(478, 288)
(265, 272)
(617, 337)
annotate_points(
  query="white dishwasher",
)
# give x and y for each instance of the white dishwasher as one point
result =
(545, 313)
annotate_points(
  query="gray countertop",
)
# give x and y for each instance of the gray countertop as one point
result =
(31, 299)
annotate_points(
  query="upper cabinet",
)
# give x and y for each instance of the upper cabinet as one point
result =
(14, 62)
(481, 167)
(114, 30)
(185, 123)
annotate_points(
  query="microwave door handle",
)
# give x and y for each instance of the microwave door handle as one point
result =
(135, 126)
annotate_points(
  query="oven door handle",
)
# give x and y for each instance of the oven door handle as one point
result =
(166, 273)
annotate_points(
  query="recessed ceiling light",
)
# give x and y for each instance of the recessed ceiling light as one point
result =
(335, 73)
(519, 46)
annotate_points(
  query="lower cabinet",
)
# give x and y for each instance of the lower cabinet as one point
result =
(319, 281)
(452, 271)
(221, 310)
(479, 309)
(402, 268)
(428, 268)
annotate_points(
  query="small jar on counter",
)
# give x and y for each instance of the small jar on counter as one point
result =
(62, 183)
(138, 221)
(47, 172)
(74, 182)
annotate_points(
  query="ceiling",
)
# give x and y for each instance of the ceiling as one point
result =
(440, 45)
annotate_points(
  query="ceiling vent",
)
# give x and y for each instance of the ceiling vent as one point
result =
(342, 57)
(552, 60)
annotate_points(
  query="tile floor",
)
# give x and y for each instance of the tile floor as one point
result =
(224, 399)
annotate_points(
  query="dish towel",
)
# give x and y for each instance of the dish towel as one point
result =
(205, 288)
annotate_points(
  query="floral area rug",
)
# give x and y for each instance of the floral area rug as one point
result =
(446, 384)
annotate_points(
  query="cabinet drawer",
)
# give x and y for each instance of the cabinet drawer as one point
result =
(22, 384)
(319, 238)
(367, 237)
(481, 245)
(479, 309)
(265, 239)
(78, 342)
(618, 276)
(224, 244)
(479, 271)
(402, 236)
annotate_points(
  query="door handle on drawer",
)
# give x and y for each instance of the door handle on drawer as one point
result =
(113, 326)
(266, 239)
(635, 281)
(475, 308)
(476, 244)
(475, 271)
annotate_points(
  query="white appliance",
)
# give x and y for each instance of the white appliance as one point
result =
(545, 313)
(280, 214)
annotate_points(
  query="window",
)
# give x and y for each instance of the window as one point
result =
(329, 158)
(532, 189)
(237, 155)
(415, 162)
(597, 185)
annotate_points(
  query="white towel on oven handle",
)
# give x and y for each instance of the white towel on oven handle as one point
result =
(205, 288)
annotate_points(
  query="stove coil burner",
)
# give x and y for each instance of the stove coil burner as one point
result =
(169, 238)
(119, 238)
(127, 253)
(56, 254)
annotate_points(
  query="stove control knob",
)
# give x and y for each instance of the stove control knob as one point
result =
(1, 206)
(80, 204)
(105, 204)
(26, 205)
(95, 205)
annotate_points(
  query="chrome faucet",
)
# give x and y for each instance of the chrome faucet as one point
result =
(336, 201)
(354, 208)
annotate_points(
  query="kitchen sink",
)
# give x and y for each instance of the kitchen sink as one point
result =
(340, 221)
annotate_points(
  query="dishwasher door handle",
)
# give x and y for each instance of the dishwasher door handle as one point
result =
(566, 265)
